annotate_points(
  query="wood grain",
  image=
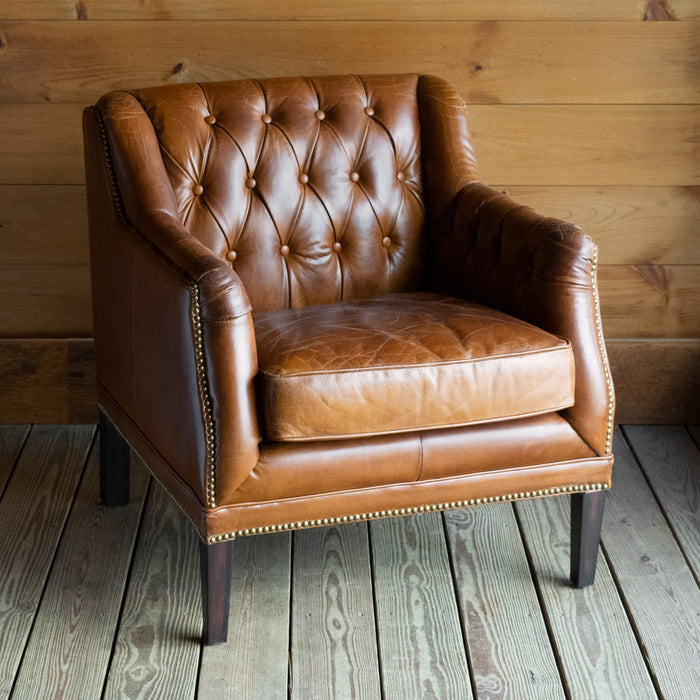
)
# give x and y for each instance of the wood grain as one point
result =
(47, 381)
(333, 645)
(595, 645)
(632, 10)
(626, 221)
(43, 224)
(12, 438)
(656, 381)
(650, 301)
(157, 649)
(506, 636)
(587, 144)
(488, 62)
(658, 588)
(670, 461)
(71, 640)
(45, 300)
(421, 648)
(253, 663)
(34, 509)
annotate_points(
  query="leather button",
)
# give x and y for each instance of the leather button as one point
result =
(355, 176)
(250, 183)
(303, 178)
(266, 118)
(320, 115)
(284, 251)
(198, 189)
(400, 176)
(337, 247)
(369, 111)
(210, 119)
(231, 255)
(386, 241)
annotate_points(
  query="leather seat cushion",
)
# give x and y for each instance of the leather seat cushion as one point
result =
(400, 362)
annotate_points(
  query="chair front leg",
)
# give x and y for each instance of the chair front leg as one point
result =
(586, 522)
(216, 562)
(114, 464)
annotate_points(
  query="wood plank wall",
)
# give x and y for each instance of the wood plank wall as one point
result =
(585, 110)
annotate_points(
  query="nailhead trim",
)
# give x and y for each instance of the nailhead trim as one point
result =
(113, 187)
(451, 505)
(603, 355)
(204, 397)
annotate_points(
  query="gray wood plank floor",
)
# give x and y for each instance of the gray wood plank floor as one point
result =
(475, 603)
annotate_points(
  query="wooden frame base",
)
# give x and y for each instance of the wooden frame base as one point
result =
(586, 522)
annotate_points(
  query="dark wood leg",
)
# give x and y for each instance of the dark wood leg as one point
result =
(216, 561)
(586, 521)
(114, 464)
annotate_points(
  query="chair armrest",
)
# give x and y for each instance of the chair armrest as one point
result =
(543, 271)
(174, 338)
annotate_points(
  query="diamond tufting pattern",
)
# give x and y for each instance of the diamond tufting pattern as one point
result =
(310, 187)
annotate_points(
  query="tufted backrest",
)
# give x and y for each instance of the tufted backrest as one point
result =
(312, 188)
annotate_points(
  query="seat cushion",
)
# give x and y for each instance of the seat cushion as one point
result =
(403, 362)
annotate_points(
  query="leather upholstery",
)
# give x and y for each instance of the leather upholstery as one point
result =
(228, 220)
(403, 362)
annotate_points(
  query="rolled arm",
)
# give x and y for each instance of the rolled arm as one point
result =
(542, 270)
(174, 338)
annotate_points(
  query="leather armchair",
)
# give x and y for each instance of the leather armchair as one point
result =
(309, 310)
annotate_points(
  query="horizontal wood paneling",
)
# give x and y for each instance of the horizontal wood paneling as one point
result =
(488, 62)
(515, 144)
(355, 9)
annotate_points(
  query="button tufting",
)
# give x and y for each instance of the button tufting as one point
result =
(386, 241)
(400, 176)
(284, 251)
(231, 255)
(250, 183)
(355, 176)
(198, 189)
(210, 119)
(303, 178)
(337, 247)
(266, 118)
(369, 111)
(320, 115)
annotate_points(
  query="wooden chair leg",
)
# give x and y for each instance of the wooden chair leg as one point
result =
(114, 464)
(216, 562)
(586, 521)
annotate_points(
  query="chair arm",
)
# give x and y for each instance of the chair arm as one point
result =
(543, 271)
(174, 338)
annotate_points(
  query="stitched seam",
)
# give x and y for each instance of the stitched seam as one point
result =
(420, 457)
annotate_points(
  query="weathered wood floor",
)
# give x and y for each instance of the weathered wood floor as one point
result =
(474, 603)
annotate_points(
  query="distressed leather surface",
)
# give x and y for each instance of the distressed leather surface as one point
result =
(403, 362)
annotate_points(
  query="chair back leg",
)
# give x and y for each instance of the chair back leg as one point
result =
(586, 522)
(114, 464)
(216, 562)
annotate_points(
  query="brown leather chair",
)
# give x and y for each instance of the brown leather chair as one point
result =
(308, 310)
